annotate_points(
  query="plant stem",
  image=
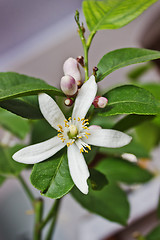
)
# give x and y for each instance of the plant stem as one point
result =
(38, 208)
(53, 223)
(26, 188)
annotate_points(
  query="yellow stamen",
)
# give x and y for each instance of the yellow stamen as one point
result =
(89, 147)
(69, 118)
(68, 144)
(87, 133)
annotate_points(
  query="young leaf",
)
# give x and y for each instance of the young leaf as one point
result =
(15, 124)
(7, 165)
(154, 234)
(117, 169)
(52, 177)
(13, 85)
(112, 14)
(26, 107)
(129, 99)
(110, 202)
(123, 57)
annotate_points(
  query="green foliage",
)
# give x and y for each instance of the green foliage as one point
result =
(154, 88)
(139, 71)
(112, 14)
(154, 234)
(131, 121)
(117, 169)
(133, 147)
(97, 179)
(2, 179)
(110, 202)
(129, 99)
(7, 165)
(52, 177)
(42, 131)
(123, 57)
(15, 124)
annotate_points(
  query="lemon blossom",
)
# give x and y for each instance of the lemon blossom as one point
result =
(73, 133)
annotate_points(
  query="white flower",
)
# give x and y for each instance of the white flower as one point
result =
(74, 133)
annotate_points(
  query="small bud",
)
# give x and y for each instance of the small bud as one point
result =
(68, 102)
(95, 127)
(71, 68)
(95, 69)
(80, 60)
(100, 102)
(68, 85)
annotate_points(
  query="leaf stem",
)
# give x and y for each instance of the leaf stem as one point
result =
(26, 188)
(53, 222)
(38, 208)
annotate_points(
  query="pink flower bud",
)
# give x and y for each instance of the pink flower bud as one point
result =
(71, 67)
(95, 127)
(68, 85)
(68, 102)
(100, 102)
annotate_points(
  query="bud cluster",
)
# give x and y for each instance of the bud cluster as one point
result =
(72, 79)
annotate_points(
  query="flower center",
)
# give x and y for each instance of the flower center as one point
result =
(73, 131)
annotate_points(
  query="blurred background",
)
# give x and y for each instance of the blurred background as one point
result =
(36, 37)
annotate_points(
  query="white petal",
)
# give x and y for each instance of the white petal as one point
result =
(38, 152)
(78, 168)
(85, 98)
(107, 138)
(50, 110)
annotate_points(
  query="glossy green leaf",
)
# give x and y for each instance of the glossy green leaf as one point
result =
(112, 14)
(15, 124)
(13, 85)
(154, 88)
(41, 131)
(123, 57)
(7, 165)
(26, 107)
(117, 169)
(133, 147)
(52, 176)
(154, 234)
(97, 179)
(139, 71)
(130, 99)
(131, 121)
(110, 202)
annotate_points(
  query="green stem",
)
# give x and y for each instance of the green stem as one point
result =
(26, 188)
(53, 223)
(38, 208)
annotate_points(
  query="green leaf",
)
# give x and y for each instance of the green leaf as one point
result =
(154, 88)
(42, 131)
(134, 148)
(148, 134)
(137, 72)
(131, 121)
(112, 14)
(15, 124)
(2, 179)
(154, 234)
(52, 177)
(26, 107)
(129, 99)
(110, 202)
(97, 179)
(123, 57)
(13, 85)
(7, 165)
(117, 169)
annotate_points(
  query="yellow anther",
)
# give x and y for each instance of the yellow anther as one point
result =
(88, 147)
(85, 128)
(59, 126)
(86, 151)
(82, 119)
(86, 136)
(65, 121)
(87, 133)
(74, 119)
(79, 119)
(81, 150)
(69, 118)
(68, 144)
(79, 136)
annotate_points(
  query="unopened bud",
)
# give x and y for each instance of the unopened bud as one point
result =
(71, 68)
(95, 127)
(100, 102)
(80, 60)
(68, 102)
(68, 85)
(95, 69)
